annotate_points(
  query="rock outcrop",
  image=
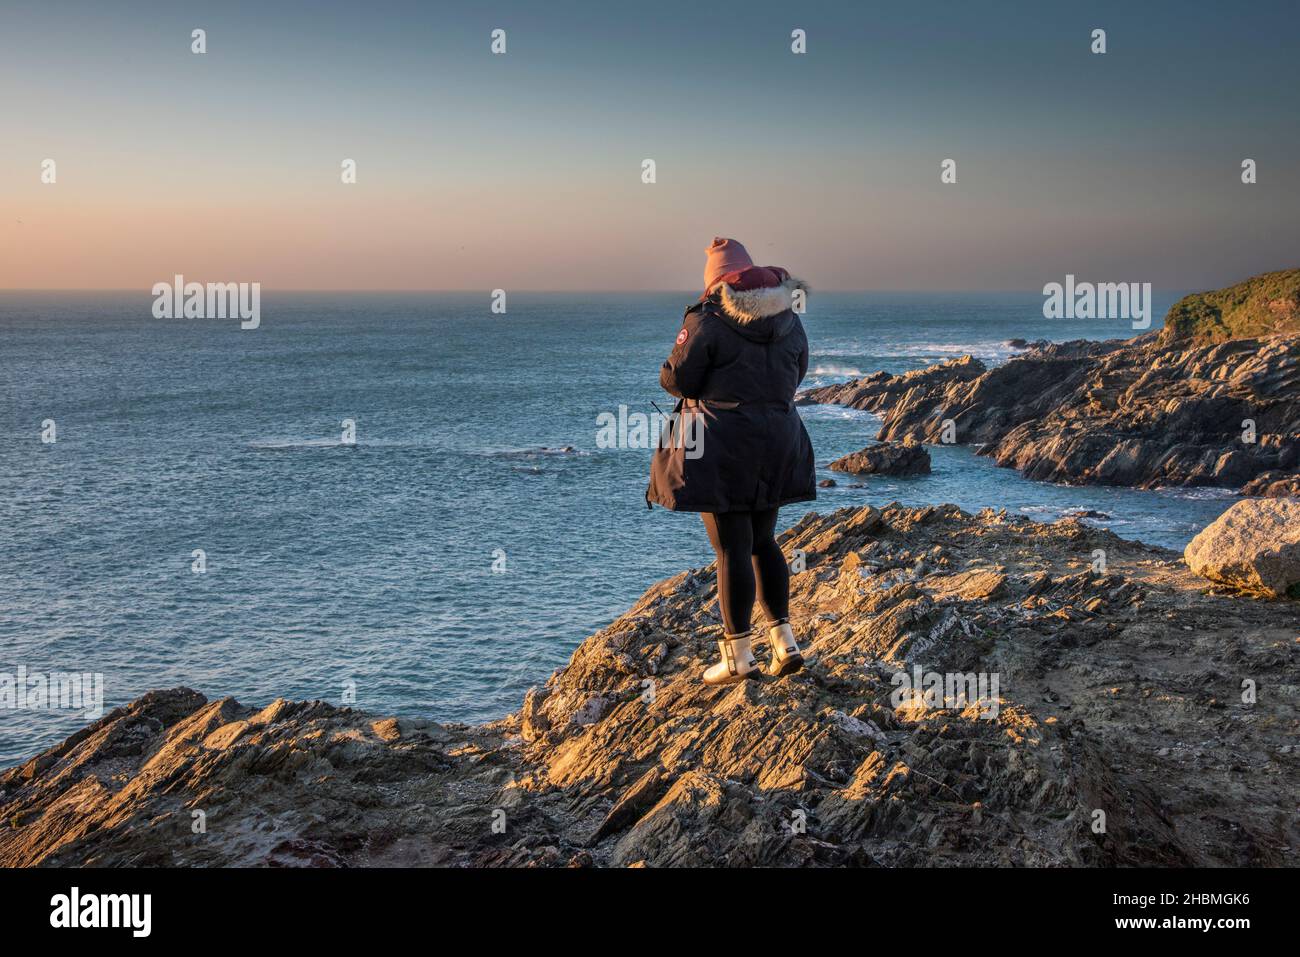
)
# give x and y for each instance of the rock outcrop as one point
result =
(1088, 712)
(1166, 409)
(886, 458)
(880, 390)
(1273, 485)
(1264, 305)
(1253, 547)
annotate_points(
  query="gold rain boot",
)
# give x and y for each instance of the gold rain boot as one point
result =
(786, 656)
(737, 662)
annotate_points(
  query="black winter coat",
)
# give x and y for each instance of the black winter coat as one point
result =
(738, 360)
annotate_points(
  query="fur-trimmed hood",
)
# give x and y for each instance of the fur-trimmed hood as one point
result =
(762, 314)
(747, 305)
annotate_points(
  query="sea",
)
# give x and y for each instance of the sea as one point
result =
(402, 501)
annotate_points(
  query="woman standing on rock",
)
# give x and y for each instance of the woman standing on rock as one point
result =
(740, 450)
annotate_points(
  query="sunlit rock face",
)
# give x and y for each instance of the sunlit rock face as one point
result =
(1212, 399)
(978, 690)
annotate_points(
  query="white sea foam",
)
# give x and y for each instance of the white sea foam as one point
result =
(1056, 512)
(1202, 494)
(841, 412)
(295, 443)
(322, 443)
(876, 351)
(837, 370)
(529, 453)
(989, 351)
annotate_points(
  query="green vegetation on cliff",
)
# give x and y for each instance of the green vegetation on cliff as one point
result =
(1263, 305)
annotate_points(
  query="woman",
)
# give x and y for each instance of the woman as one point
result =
(740, 450)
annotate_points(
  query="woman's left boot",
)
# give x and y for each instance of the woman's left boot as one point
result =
(786, 656)
(737, 662)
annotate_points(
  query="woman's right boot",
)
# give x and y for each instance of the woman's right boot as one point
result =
(737, 662)
(786, 657)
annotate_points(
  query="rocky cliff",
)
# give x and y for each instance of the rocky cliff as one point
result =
(1182, 407)
(1262, 306)
(1095, 705)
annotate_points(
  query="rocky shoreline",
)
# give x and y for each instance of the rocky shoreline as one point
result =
(1121, 712)
(1212, 399)
(980, 689)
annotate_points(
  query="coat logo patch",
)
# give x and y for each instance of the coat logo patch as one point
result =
(681, 336)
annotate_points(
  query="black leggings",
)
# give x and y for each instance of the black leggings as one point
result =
(746, 547)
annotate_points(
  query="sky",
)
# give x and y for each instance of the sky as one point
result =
(524, 170)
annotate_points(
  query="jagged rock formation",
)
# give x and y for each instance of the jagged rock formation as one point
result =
(887, 458)
(1116, 735)
(175, 780)
(1169, 409)
(880, 390)
(1253, 547)
(1273, 485)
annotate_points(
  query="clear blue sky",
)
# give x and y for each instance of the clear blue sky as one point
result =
(524, 170)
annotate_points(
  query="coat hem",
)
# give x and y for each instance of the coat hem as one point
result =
(674, 507)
